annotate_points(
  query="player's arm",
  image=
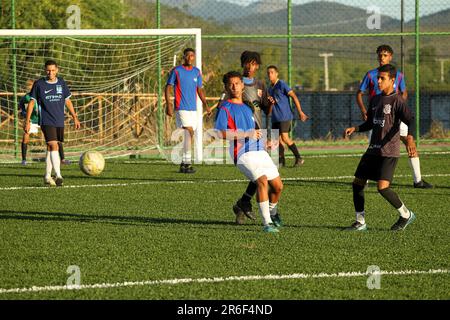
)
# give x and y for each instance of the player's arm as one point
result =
(167, 95)
(405, 94)
(360, 102)
(405, 115)
(302, 115)
(26, 126)
(72, 112)
(202, 95)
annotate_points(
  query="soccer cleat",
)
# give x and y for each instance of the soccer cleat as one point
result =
(244, 207)
(276, 219)
(402, 223)
(24, 162)
(182, 168)
(59, 181)
(422, 184)
(270, 228)
(298, 162)
(49, 182)
(357, 226)
(189, 169)
(65, 162)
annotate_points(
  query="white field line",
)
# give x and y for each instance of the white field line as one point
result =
(143, 183)
(221, 279)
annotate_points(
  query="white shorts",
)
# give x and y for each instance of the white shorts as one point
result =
(185, 118)
(34, 128)
(403, 130)
(255, 164)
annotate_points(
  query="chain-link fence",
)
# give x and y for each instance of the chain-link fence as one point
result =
(322, 48)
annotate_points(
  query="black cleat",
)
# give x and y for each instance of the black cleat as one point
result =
(402, 223)
(282, 162)
(242, 209)
(59, 181)
(422, 184)
(356, 226)
(298, 162)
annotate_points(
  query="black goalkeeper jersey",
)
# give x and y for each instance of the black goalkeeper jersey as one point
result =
(384, 116)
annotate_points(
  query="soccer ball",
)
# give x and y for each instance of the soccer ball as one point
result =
(92, 163)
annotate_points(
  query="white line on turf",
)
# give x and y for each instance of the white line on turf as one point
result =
(143, 183)
(220, 279)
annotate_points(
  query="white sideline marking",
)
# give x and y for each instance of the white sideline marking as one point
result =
(143, 183)
(219, 279)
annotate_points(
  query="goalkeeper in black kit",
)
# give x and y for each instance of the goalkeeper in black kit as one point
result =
(384, 115)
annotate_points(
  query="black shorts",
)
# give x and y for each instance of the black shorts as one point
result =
(376, 168)
(282, 126)
(53, 133)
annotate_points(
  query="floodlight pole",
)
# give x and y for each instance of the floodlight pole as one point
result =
(325, 61)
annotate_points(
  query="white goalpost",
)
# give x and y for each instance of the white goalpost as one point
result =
(117, 79)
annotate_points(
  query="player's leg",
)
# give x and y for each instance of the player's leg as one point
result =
(53, 145)
(25, 141)
(262, 197)
(414, 162)
(285, 128)
(243, 206)
(61, 154)
(275, 189)
(186, 164)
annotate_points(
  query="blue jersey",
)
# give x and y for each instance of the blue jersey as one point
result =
(238, 117)
(370, 83)
(281, 110)
(185, 81)
(51, 97)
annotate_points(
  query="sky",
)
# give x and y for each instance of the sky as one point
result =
(393, 9)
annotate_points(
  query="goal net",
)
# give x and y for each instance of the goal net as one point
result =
(116, 78)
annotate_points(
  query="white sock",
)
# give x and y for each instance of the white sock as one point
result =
(48, 166)
(273, 208)
(414, 163)
(360, 217)
(187, 158)
(265, 212)
(56, 162)
(404, 212)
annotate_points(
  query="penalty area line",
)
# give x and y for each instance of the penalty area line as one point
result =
(175, 281)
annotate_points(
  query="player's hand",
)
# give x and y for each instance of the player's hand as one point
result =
(411, 147)
(348, 132)
(303, 117)
(26, 127)
(76, 124)
(364, 115)
(208, 111)
(257, 134)
(271, 100)
(169, 111)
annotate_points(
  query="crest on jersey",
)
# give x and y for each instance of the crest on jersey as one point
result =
(59, 89)
(387, 109)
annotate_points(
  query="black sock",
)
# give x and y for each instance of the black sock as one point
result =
(391, 197)
(358, 197)
(61, 150)
(280, 151)
(249, 192)
(24, 151)
(294, 150)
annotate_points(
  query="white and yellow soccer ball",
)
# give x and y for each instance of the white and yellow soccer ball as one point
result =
(92, 163)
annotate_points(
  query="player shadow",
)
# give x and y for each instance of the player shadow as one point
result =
(110, 219)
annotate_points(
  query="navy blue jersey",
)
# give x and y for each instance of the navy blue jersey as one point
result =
(281, 110)
(51, 97)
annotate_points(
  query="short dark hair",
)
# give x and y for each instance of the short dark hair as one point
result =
(51, 63)
(185, 51)
(385, 47)
(272, 67)
(250, 56)
(231, 74)
(389, 68)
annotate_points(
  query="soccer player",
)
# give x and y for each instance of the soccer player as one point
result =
(370, 84)
(34, 126)
(236, 123)
(187, 80)
(52, 95)
(255, 96)
(385, 114)
(279, 93)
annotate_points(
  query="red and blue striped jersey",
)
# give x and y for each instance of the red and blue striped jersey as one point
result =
(370, 83)
(186, 81)
(238, 117)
